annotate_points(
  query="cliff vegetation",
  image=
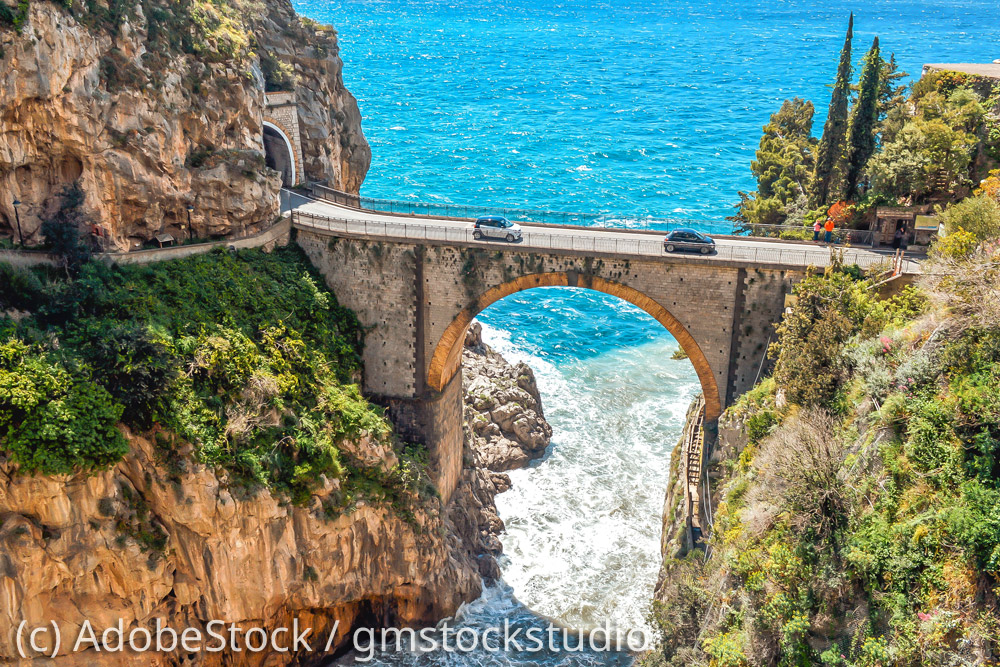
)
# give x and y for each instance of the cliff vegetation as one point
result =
(168, 431)
(857, 517)
(245, 356)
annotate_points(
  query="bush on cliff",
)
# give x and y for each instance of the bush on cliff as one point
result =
(244, 355)
(830, 310)
(860, 525)
(55, 419)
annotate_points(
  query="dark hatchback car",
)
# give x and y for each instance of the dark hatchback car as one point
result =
(688, 239)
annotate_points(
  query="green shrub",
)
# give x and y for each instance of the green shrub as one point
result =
(19, 288)
(957, 245)
(278, 75)
(53, 421)
(136, 365)
(244, 355)
(978, 215)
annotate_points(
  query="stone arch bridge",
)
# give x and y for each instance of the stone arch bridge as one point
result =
(417, 283)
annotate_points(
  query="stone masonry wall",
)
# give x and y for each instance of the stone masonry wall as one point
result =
(417, 302)
(377, 281)
(760, 309)
(380, 283)
(282, 111)
(700, 296)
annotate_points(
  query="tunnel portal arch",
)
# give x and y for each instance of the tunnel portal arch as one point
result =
(279, 153)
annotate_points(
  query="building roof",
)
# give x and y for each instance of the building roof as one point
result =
(991, 70)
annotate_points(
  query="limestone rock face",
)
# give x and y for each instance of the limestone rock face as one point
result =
(146, 541)
(503, 411)
(161, 537)
(504, 429)
(334, 149)
(146, 131)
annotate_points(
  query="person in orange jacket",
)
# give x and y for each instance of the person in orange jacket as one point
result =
(829, 229)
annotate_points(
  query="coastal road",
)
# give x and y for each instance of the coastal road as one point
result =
(356, 222)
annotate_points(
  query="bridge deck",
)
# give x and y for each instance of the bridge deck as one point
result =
(343, 220)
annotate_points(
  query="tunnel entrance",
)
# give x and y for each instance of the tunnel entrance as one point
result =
(278, 154)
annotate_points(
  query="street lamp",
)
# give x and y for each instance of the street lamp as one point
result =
(17, 216)
(190, 208)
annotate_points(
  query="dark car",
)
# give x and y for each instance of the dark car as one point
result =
(496, 227)
(688, 239)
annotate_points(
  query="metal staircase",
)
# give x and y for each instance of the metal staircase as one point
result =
(693, 458)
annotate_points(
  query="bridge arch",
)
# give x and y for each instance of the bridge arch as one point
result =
(279, 153)
(447, 356)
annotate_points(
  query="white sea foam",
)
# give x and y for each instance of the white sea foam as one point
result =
(583, 524)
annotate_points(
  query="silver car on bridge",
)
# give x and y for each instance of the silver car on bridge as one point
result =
(496, 227)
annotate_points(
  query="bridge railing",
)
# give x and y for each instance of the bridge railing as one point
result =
(471, 212)
(854, 237)
(571, 240)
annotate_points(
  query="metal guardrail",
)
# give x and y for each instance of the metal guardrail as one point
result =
(592, 242)
(855, 237)
(471, 212)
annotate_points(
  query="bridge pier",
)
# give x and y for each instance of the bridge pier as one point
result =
(435, 421)
(416, 300)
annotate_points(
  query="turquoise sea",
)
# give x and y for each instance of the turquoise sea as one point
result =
(627, 108)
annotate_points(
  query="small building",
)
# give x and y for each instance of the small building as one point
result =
(986, 70)
(919, 221)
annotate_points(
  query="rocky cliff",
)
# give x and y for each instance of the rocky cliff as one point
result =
(498, 396)
(503, 411)
(161, 536)
(154, 106)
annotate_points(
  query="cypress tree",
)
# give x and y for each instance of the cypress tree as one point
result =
(864, 118)
(831, 146)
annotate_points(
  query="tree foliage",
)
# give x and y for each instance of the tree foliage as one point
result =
(783, 164)
(925, 143)
(63, 231)
(933, 148)
(861, 138)
(829, 154)
(978, 215)
(829, 311)
(54, 420)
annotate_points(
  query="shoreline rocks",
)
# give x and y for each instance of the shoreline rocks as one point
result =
(504, 422)
(504, 429)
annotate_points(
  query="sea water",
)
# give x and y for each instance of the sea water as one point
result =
(631, 109)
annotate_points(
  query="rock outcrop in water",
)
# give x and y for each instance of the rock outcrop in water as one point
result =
(503, 411)
(152, 106)
(504, 429)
